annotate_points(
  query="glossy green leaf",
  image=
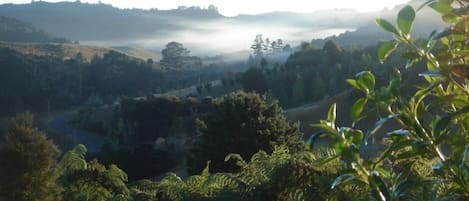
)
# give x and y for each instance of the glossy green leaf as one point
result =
(357, 136)
(405, 19)
(433, 73)
(386, 49)
(310, 142)
(442, 7)
(353, 83)
(325, 126)
(464, 158)
(377, 126)
(323, 161)
(411, 62)
(332, 114)
(358, 107)
(366, 78)
(399, 132)
(386, 25)
(401, 188)
(384, 172)
(357, 84)
(395, 82)
(441, 125)
(343, 179)
(383, 191)
(353, 135)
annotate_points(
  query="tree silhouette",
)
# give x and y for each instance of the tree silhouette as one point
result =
(174, 55)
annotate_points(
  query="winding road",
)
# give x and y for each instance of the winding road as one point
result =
(61, 124)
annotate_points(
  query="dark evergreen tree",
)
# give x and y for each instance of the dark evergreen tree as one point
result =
(331, 47)
(253, 80)
(28, 170)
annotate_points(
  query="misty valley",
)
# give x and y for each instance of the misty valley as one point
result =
(185, 102)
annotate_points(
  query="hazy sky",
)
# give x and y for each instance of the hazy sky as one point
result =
(235, 7)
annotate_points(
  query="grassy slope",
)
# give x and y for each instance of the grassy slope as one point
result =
(140, 53)
(71, 50)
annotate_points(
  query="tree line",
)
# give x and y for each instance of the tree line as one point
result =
(47, 83)
(312, 73)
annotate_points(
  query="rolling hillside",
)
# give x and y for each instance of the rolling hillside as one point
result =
(71, 50)
(14, 30)
(153, 28)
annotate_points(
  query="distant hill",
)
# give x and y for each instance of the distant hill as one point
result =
(97, 22)
(84, 21)
(13, 30)
(71, 50)
(203, 30)
(369, 33)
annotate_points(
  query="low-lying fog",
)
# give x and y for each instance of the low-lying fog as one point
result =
(222, 37)
(203, 31)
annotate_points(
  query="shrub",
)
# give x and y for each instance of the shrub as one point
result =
(433, 120)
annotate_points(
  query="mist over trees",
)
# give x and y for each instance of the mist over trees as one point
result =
(118, 27)
(175, 55)
(274, 51)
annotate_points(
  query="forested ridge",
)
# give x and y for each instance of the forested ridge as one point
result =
(405, 138)
(13, 30)
(45, 83)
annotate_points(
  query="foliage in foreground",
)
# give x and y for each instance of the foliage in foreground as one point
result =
(83, 180)
(282, 176)
(433, 121)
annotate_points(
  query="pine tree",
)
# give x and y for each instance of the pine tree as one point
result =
(319, 88)
(298, 92)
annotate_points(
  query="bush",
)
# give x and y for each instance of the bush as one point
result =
(240, 123)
